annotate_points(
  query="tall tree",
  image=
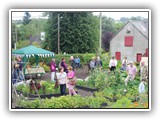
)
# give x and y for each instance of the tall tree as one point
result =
(108, 24)
(79, 32)
(106, 40)
(26, 18)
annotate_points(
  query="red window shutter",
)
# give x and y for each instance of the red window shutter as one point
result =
(118, 55)
(128, 41)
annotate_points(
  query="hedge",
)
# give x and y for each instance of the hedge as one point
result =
(84, 58)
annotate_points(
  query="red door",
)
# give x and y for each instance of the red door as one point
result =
(146, 52)
(118, 55)
(139, 56)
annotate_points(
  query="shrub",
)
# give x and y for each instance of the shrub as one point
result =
(64, 102)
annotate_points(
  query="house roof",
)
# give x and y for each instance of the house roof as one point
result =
(141, 26)
(35, 39)
(32, 50)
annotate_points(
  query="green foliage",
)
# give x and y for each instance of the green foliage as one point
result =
(24, 89)
(49, 88)
(64, 102)
(22, 43)
(24, 32)
(46, 67)
(26, 18)
(79, 32)
(85, 58)
(122, 103)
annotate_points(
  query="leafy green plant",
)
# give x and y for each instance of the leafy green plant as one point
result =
(122, 103)
(64, 102)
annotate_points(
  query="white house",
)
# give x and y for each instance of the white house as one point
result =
(131, 41)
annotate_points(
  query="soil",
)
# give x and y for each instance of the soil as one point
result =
(80, 73)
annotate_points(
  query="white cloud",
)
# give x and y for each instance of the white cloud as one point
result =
(118, 15)
(114, 14)
(19, 15)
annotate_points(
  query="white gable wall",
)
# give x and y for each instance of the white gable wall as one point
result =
(140, 43)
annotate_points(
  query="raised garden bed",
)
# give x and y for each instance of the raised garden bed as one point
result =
(86, 88)
(42, 96)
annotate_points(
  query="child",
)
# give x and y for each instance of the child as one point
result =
(72, 81)
(141, 90)
(142, 87)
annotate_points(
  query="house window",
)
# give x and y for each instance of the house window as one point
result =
(128, 41)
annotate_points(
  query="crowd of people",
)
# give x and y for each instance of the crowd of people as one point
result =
(66, 78)
(17, 70)
(127, 66)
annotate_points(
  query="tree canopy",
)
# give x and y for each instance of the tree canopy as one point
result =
(79, 32)
(26, 18)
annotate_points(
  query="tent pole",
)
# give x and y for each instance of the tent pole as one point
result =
(37, 60)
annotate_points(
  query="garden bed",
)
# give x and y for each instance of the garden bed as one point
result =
(86, 88)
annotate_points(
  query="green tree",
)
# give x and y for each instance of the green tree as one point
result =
(108, 25)
(13, 33)
(24, 32)
(26, 18)
(79, 32)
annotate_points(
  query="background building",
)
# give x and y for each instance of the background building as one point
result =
(131, 41)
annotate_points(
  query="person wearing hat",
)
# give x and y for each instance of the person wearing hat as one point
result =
(131, 71)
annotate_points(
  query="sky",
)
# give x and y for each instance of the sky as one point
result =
(114, 15)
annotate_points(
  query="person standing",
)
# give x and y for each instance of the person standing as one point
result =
(113, 64)
(125, 60)
(64, 65)
(92, 63)
(71, 81)
(143, 71)
(19, 69)
(98, 62)
(62, 80)
(123, 66)
(72, 62)
(53, 69)
(131, 71)
(77, 62)
(141, 90)
(142, 86)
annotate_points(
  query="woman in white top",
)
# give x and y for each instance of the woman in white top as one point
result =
(62, 78)
(125, 60)
(113, 64)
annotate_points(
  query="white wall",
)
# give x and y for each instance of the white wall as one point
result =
(140, 43)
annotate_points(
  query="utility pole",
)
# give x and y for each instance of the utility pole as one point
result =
(100, 34)
(58, 35)
(16, 36)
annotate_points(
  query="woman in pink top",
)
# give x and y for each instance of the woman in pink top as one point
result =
(131, 71)
(72, 81)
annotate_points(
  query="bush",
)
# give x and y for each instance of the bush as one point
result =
(84, 58)
(64, 102)
(22, 43)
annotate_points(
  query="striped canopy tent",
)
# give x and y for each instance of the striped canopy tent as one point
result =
(27, 52)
